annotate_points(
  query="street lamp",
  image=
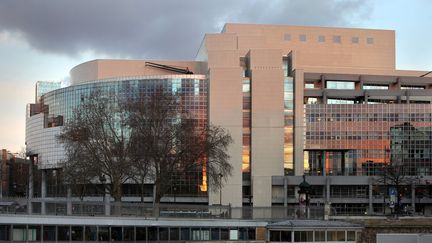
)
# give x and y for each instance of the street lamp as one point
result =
(304, 195)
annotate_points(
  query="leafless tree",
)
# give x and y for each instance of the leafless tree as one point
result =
(170, 141)
(96, 140)
(150, 139)
(396, 175)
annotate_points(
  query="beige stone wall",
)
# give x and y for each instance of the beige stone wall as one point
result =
(312, 53)
(267, 134)
(226, 108)
(108, 68)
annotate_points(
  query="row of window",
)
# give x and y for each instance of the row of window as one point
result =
(335, 39)
(66, 233)
(312, 236)
(350, 85)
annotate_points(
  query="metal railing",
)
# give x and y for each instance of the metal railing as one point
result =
(86, 208)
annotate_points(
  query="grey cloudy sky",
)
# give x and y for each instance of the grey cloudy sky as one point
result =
(44, 39)
(156, 29)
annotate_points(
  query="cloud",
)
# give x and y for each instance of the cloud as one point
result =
(157, 29)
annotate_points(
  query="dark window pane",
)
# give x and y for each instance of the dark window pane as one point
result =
(152, 233)
(129, 233)
(251, 234)
(4, 232)
(141, 234)
(63, 233)
(242, 233)
(90, 233)
(275, 235)
(116, 234)
(77, 233)
(49, 233)
(224, 234)
(286, 236)
(215, 234)
(174, 234)
(163, 233)
(103, 234)
(185, 234)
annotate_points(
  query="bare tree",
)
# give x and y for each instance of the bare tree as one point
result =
(96, 140)
(396, 175)
(151, 139)
(170, 141)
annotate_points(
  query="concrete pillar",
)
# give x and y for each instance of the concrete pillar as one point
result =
(413, 197)
(323, 162)
(285, 191)
(343, 162)
(107, 202)
(69, 201)
(30, 188)
(407, 95)
(43, 192)
(327, 189)
(370, 197)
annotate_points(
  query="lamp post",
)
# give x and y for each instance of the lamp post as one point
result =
(304, 196)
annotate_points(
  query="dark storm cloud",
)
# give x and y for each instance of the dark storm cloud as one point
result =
(160, 28)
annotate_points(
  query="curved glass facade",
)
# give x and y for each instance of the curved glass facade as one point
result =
(59, 105)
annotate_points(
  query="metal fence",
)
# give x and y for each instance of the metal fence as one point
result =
(86, 208)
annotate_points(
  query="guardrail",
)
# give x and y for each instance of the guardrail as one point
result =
(146, 210)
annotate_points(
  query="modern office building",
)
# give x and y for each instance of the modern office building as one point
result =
(325, 102)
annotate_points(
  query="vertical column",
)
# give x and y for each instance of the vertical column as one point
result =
(370, 196)
(323, 162)
(69, 201)
(413, 197)
(43, 192)
(107, 202)
(327, 189)
(299, 125)
(30, 188)
(343, 162)
(267, 128)
(285, 191)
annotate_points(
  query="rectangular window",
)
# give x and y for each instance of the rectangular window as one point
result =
(370, 40)
(302, 38)
(372, 86)
(287, 37)
(319, 235)
(339, 101)
(337, 39)
(286, 236)
(340, 85)
(351, 236)
(309, 85)
(185, 235)
(303, 236)
(412, 87)
(275, 235)
(321, 38)
(355, 40)
(233, 234)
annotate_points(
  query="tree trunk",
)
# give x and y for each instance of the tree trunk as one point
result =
(117, 194)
